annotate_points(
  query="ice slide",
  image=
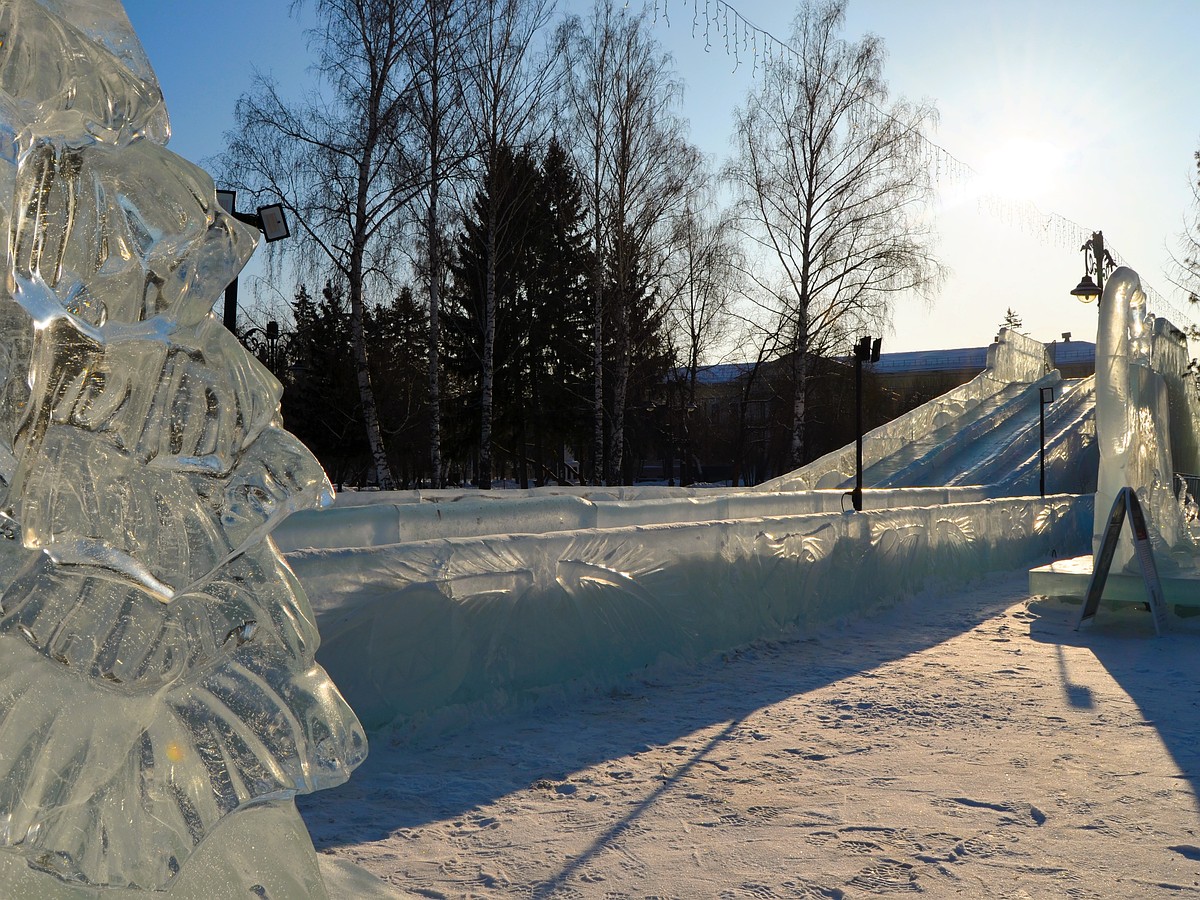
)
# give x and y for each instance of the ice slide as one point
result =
(433, 604)
(986, 432)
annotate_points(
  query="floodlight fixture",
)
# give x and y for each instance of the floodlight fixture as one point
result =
(273, 223)
(866, 350)
(269, 220)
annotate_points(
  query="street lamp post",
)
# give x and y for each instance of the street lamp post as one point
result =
(1047, 397)
(264, 343)
(269, 220)
(1095, 259)
(867, 349)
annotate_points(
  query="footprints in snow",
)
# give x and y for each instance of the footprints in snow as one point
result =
(1015, 813)
(887, 877)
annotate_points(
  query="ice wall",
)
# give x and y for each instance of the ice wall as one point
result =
(416, 630)
(376, 519)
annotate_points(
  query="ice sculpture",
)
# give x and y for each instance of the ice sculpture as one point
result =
(1133, 417)
(160, 705)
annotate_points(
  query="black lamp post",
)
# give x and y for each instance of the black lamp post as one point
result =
(1095, 259)
(1046, 398)
(867, 349)
(265, 344)
(271, 221)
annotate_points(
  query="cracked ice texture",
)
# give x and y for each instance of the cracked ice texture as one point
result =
(1138, 359)
(156, 654)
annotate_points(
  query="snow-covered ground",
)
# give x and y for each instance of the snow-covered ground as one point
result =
(963, 745)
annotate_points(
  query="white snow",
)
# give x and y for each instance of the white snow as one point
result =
(668, 693)
(966, 744)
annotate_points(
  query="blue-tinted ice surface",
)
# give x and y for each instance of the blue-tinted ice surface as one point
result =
(157, 671)
(1146, 415)
(440, 602)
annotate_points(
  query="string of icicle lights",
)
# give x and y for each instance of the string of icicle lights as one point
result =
(722, 27)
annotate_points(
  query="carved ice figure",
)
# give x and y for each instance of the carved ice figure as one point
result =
(157, 675)
(1133, 416)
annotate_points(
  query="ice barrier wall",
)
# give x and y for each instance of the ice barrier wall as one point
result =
(426, 629)
(376, 519)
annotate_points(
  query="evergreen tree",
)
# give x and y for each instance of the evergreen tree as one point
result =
(1011, 320)
(398, 349)
(639, 345)
(541, 348)
(558, 353)
(486, 315)
(321, 405)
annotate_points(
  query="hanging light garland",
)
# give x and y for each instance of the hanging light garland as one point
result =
(743, 38)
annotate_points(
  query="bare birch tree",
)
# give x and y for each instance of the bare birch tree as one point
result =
(506, 82)
(699, 289)
(589, 62)
(436, 126)
(623, 96)
(336, 161)
(1187, 260)
(832, 183)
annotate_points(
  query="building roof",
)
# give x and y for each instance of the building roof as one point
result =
(966, 358)
(723, 373)
(931, 360)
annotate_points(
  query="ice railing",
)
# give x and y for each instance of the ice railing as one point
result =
(377, 519)
(434, 629)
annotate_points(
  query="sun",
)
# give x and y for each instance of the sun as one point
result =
(1021, 168)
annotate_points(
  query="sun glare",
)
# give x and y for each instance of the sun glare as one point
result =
(1021, 168)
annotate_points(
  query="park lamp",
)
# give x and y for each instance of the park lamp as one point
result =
(270, 219)
(271, 223)
(1095, 258)
(1086, 290)
(866, 350)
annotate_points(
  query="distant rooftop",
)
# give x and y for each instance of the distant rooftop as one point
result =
(1065, 353)
(722, 374)
(966, 358)
(932, 360)
(1075, 351)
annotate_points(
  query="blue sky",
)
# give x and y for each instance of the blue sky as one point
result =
(1087, 108)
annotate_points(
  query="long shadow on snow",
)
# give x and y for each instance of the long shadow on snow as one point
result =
(1158, 673)
(424, 780)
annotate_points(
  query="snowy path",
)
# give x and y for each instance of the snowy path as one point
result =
(968, 746)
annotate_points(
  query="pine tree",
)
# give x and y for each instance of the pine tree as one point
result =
(558, 353)
(322, 405)
(1012, 320)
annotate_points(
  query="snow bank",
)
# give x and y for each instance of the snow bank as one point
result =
(410, 630)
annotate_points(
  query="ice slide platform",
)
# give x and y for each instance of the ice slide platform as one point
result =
(1068, 579)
